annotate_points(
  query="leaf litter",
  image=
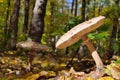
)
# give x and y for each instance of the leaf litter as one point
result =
(53, 67)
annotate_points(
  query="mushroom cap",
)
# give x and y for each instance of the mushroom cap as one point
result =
(30, 45)
(78, 31)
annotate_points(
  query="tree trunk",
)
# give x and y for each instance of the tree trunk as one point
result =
(76, 5)
(119, 31)
(6, 24)
(14, 23)
(100, 8)
(119, 38)
(83, 10)
(117, 2)
(113, 36)
(87, 9)
(115, 31)
(37, 22)
(72, 7)
(26, 16)
(94, 8)
(52, 38)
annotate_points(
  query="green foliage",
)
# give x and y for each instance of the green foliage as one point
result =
(104, 27)
(75, 45)
(61, 20)
(91, 36)
(43, 39)
(71, 23)
(98, 36)
(116, 46)
(22, 37)
(102, 35)
(118, 61)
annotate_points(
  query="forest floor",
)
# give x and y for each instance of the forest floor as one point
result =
(52, 66)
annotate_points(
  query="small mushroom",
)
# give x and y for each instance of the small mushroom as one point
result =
(80, 32)
(33, 47)
(30, 45)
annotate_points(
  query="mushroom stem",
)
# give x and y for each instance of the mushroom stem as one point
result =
(94, 53)
(30, 59)
(31, 56)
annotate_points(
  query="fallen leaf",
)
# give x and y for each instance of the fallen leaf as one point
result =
(44, 64)
(106, 78)
(115, 74)
(72, 70)
(33, 77)
(89, 78)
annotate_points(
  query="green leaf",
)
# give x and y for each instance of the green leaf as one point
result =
(105, 27)
(118, 61)
(91, 35)
(59, 15)
(101, 35)
(116, 47)
(72, 21)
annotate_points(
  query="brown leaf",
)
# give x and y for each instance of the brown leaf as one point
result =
(115, 74)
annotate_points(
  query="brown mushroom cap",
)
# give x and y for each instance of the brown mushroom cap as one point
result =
(78, 31)
(30, 45)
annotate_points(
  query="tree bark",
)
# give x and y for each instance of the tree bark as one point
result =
(117, 2)
(14, 23)
(37, 22)
(6, 24)
(115, 31)
(83, 10)
(100, 8)
(76, 5)
(26, 16)
(113, 36)
(52, 38)
(87, 9)
(119, 38)
(94, 8)
(72, 7)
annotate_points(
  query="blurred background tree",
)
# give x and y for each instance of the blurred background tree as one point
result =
(62, 15)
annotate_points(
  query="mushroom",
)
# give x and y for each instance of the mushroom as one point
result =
(80, 32)
(33, 47)
(30, 45)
